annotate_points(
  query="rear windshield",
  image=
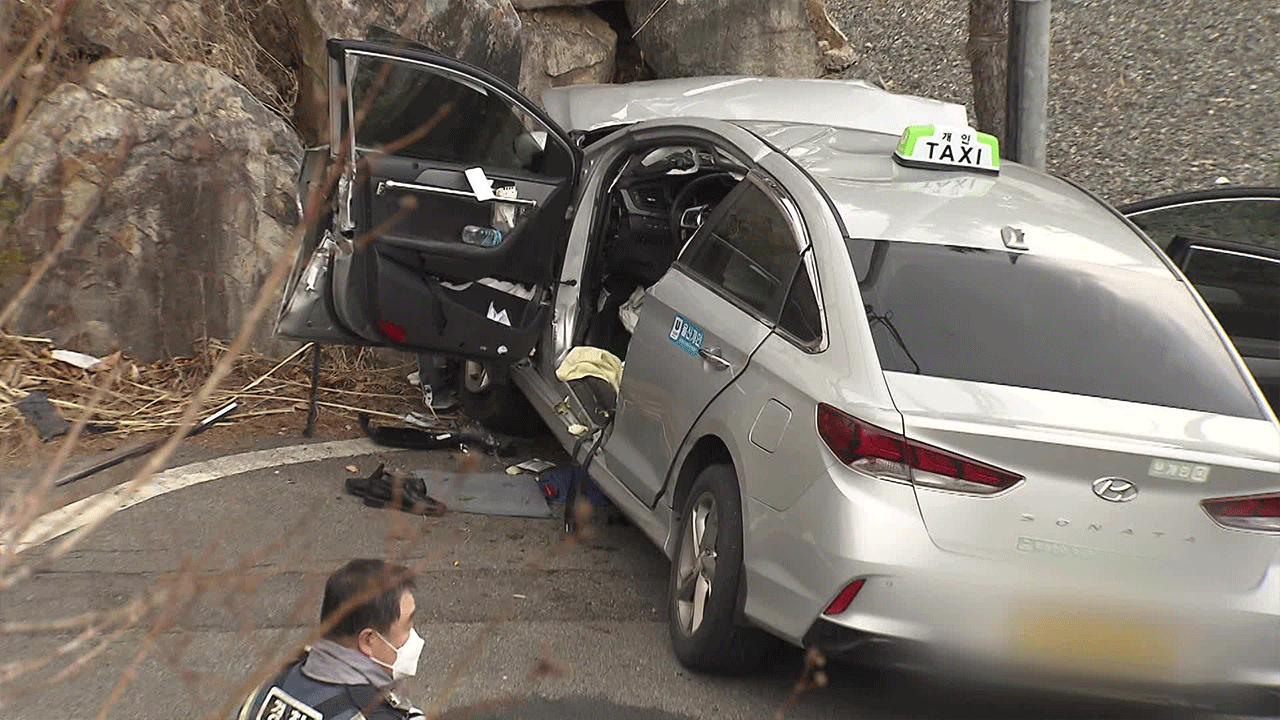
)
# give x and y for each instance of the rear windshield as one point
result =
(1021, 320)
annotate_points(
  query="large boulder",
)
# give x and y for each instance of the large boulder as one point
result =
(543, 4)
(684, 38)
(485, 33)
(251, 42)
(139, 28)
(189, 223)
(565, 46)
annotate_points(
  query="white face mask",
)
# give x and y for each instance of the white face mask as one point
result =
(406, 664)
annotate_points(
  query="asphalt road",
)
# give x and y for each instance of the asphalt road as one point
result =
(499, 597)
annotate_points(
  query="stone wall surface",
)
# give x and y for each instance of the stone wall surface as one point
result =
(187, 228)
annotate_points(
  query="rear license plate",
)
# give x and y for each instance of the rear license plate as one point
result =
(1109, 641)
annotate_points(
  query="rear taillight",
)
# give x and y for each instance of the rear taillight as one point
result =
(1257, 512)
(886, 454)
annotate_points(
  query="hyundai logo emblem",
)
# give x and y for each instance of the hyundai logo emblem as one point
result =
(1114, 489)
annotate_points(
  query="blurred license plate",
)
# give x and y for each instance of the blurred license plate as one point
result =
(1110, 641)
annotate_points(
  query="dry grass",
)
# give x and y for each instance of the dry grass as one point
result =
(252, 41)
(150, 398)
(227, 37)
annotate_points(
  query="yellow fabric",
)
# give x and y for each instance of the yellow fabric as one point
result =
(586, 361)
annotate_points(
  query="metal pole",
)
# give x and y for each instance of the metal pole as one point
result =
(310, 429)
(1028, 93)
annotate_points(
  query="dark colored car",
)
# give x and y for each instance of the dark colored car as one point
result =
(1227, 242)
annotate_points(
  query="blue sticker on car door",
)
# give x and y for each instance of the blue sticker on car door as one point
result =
(686, 335)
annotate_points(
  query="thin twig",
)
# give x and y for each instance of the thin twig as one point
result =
(651, 16)
(278, 365)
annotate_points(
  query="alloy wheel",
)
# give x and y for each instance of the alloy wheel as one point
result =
(696, 564)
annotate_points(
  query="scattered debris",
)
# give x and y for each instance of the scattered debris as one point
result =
(141, 449)
(421, 439)
(555, 486)
(352, 468)
(416, 418)
(80, 360)
(535, 466)
(578, 429)
(384, 489)
(151, 398)
(44, 416)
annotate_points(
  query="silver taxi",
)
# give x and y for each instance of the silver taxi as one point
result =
(883, 394)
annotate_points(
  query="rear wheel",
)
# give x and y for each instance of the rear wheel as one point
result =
(491, 399)
(705, 576)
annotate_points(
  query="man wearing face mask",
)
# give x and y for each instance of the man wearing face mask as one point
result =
(349, 673)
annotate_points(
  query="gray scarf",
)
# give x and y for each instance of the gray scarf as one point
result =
(329, 662)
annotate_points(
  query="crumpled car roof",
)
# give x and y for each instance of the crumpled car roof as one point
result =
(852, 104)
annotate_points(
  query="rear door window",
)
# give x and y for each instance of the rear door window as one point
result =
(1026, 321)
(1253, 221)
(1242, 289)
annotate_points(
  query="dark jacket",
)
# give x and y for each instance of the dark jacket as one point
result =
(330, 682)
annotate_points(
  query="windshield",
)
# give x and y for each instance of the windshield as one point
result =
(1016, 319)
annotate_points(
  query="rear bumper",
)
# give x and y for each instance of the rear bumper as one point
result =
(926, 608)
(858, 647)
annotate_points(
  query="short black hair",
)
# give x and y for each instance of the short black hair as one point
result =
(367, 592)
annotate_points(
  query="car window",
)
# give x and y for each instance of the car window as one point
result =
(1253, 221)
(1050, 324)
(750, 252)
(411, 110)
(1243, 290)
(800, 315)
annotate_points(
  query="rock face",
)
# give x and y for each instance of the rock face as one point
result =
(542, 4)
(135, 27)
(565, 46)
(485, 33)
(683, 38)
(187, 229)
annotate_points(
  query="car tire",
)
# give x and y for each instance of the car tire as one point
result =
(500, 407)
(711, 641)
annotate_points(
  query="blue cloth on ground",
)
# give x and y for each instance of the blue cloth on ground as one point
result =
(555, 486)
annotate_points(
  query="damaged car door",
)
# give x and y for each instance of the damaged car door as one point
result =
(449, 218)
(700, 326)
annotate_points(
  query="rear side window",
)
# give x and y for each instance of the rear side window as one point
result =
(1025, 321)
(1242, 289)
(800, 315)
(1249, 220)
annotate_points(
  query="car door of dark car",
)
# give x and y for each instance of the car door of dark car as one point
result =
(1227, 243)
(450, 218)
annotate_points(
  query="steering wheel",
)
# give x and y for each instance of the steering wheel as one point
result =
(682, 216)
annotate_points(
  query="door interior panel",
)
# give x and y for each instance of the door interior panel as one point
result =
(403, 275)
(474, 321)
(432, 222)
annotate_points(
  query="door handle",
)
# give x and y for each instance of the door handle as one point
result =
(712, 356)
(384, 185)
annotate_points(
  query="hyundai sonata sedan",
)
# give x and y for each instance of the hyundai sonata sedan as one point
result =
(876, 390)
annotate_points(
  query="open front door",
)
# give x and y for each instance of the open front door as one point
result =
(449, 221)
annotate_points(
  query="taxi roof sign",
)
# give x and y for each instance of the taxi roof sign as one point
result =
(948, 147)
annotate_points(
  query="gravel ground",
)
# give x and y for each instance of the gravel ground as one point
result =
(1146, 98)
